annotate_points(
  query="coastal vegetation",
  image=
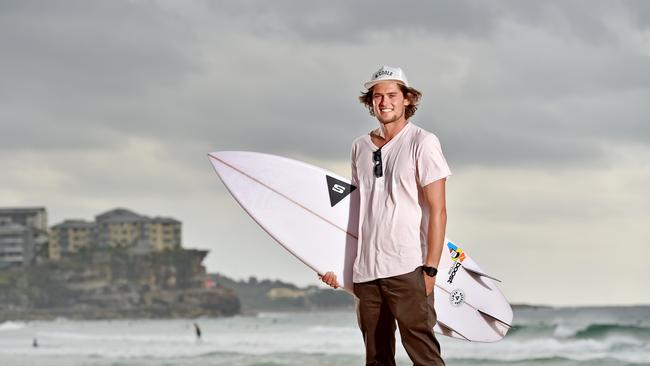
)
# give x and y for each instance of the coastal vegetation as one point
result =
(114, 283)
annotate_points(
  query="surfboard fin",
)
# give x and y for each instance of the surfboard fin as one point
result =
(494, 318)
(479, 273)
(447, 330)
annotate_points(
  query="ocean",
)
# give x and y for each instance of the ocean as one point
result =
(610, 336)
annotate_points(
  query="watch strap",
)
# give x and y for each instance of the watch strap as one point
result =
(430, 271)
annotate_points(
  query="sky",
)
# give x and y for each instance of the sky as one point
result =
(541, 109)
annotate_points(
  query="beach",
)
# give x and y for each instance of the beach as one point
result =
(540, 336)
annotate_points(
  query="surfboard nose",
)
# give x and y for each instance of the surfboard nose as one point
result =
(220, 155)
(221, 158)
(220, 161)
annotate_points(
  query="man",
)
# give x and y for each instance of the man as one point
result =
(401, 172)
(197, 331)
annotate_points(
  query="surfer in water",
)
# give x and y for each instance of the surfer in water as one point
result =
(197, 331)
(401, 172)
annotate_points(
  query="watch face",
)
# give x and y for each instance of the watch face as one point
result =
(431, 271)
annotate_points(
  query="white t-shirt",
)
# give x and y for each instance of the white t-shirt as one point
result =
(393, 215)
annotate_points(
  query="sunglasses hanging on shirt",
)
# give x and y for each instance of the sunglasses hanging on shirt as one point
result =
(378, 168)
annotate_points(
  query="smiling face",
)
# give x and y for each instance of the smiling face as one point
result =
(388, 102)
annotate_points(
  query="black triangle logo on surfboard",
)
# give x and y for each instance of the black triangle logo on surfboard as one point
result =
(338, 189)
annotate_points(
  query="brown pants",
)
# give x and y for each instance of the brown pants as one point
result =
(402, 298)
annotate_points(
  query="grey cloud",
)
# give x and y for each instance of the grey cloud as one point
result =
(582, 19)
(79, 47)
(89, 75)
(344, 21)
(353, 22)
(69, 67)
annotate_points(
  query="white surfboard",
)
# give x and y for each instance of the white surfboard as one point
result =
(313, 213)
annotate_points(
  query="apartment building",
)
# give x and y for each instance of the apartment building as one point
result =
(16, 245)
(122, 227)
(70, 236)
(34, 217)
(23, 235)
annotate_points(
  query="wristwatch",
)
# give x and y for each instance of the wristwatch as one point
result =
(430, 271)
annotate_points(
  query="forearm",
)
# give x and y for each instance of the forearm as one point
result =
(436, 237)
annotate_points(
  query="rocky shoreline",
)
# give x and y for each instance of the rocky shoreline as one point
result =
(115, 283)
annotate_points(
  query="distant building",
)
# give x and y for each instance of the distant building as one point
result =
(165, 233)
(16, 245)
(35, 217)
(70, 236)
(284, 293)
(122, 227)
(115, 228)
(23, 235)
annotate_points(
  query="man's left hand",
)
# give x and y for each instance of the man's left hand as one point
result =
(429, 283)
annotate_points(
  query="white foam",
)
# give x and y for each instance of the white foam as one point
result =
(333, 329)
(11, 325)
(265, 315)
(577, 349)
(328, 334)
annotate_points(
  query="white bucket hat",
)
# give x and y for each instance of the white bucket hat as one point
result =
(387, 73)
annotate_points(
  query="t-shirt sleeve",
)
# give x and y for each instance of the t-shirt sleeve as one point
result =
(431, 163)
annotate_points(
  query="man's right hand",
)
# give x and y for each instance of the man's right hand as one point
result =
(330, 279)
